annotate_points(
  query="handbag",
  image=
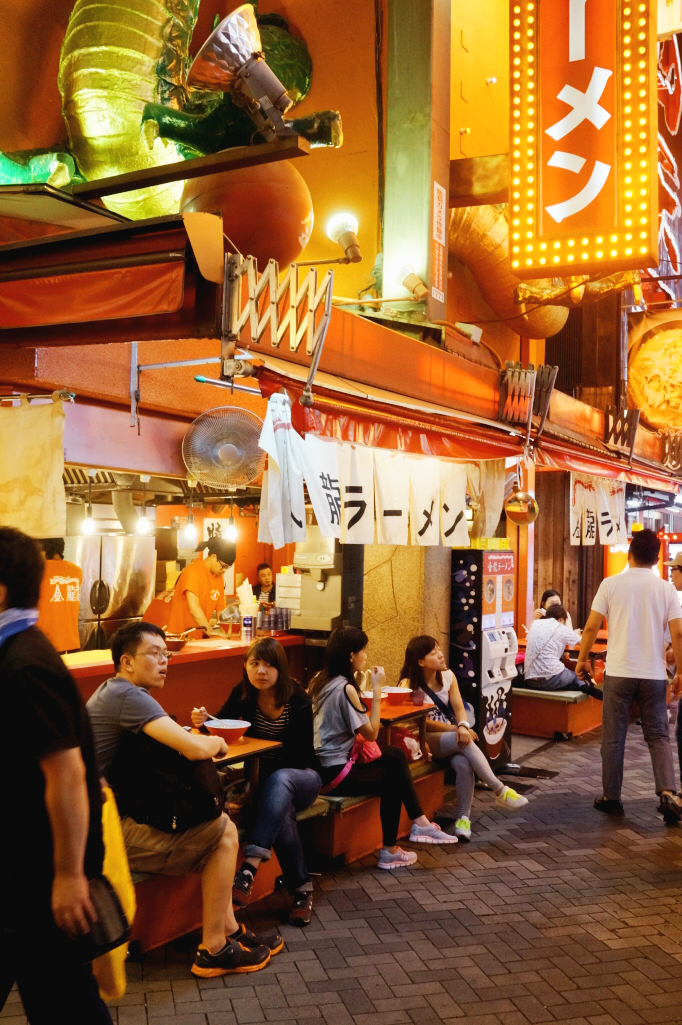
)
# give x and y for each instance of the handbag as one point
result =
(362, 751)
(110, 968)
(111, 928)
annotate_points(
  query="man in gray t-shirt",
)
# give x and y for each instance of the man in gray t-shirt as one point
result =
(124, 703)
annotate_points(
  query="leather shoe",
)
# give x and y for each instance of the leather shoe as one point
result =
(610, 807)
(669, 809)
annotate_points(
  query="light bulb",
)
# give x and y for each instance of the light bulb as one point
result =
(343, 228)
(403, 273)
(231, 531)
(339, 224)
(88, 526)
(143, 526)
(190, 533)
(411, 281)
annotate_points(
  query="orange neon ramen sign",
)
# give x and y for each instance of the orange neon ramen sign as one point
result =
(583, 136)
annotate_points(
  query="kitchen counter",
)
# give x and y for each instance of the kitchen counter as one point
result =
(203, 673)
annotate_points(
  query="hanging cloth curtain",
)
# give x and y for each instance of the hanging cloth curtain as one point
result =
(32, 496)
(282, 508)
(485, 484)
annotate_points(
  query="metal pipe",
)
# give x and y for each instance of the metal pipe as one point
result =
(139, 260)
(227, 384)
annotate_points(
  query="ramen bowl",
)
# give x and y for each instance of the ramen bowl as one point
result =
(493, 734)
(396, 695)
(175, 643)
(230, 730)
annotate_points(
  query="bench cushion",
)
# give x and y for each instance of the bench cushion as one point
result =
(571, 696)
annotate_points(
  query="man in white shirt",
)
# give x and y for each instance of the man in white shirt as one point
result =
(638, 606)
(545, 645)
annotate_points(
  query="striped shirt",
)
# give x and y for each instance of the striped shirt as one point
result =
(271, 729)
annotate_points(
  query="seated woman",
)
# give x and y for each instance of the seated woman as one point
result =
(339, 715)
(448, 734)
(545, 644)
(289, 776)
(550, 597)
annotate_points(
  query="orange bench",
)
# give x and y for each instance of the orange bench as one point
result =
(542, 713)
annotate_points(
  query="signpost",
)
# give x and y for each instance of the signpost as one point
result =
(583, 137)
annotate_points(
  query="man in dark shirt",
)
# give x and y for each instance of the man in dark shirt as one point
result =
(265, 589)
(51, 808)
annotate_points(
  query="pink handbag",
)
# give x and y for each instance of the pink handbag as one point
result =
(362, 751)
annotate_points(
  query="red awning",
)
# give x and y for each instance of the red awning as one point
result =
(92, 295)
(558, 455)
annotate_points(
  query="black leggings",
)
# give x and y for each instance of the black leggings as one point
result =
(388, 777)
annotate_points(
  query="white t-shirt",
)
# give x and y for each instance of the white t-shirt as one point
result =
(638, 607)
(545, 644)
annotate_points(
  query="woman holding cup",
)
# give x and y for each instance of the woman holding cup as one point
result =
(343, 729)
(448, 733)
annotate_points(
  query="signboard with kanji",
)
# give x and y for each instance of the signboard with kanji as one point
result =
(583, 139)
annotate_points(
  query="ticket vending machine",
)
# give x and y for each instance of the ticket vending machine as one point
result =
(483, 644)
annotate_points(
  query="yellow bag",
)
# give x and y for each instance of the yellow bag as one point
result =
(109, 969)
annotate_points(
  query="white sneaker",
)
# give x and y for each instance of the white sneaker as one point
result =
(463, 828)
(510, 799)
(430, 834)
(399, 859)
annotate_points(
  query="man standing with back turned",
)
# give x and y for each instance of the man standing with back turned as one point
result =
(638, 606)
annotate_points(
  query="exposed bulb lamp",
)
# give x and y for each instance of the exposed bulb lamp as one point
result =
(411, 281)
(231, 529)
(232, 61)
(143, 526)
(343, 229)
(190, 531)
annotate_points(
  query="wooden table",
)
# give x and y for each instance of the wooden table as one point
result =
(391, 715)
(247, 750)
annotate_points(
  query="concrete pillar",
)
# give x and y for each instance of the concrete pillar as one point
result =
(406, 593)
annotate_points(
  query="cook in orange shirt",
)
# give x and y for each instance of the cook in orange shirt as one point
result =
(59, 597)
(200, 589)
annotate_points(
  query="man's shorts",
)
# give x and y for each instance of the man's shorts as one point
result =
(171, 854)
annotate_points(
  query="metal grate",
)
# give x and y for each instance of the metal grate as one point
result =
(76, 476)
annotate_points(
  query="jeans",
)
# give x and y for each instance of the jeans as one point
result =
(566, 680)
(390, 778)
(284, 793)
(41, 959)
(467, 762)
(619, 693)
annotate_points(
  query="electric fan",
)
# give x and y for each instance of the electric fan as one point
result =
(220, 448)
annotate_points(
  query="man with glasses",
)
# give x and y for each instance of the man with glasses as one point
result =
(124, 703)
(199, 593)
(676, 581)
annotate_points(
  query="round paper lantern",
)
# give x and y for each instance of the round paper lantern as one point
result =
(267, 211)
(521, 508)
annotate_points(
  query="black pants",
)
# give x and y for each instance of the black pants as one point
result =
(388, 777)
(41, 959)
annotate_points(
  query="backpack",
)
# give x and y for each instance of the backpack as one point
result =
(159, 787)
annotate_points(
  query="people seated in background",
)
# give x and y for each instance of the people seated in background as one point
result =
(289, 779)
(122, 706)
(448, 733)
(340, 717)
(551, 597)
(545, 646)
(265, 589)
(59, 600)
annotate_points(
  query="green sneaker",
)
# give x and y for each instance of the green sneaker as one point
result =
(463, 828)
(510, 799)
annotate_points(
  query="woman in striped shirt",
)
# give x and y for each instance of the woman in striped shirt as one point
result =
(278, 710)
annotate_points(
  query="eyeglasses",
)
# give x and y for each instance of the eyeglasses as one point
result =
(160, 656)
(224, 565)
(676, 569)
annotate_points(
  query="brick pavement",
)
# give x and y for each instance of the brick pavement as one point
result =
(554, 914)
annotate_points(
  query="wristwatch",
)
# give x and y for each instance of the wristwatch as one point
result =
(463, 723)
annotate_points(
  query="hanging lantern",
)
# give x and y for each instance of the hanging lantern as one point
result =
(521, 508)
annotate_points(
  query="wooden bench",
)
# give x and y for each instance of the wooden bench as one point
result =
(171, 906)
(354, 829)
(543, 713)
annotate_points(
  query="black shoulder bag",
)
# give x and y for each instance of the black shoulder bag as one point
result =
(441, 705)
(159, 787)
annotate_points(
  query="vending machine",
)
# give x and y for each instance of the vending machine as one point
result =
(483, 644)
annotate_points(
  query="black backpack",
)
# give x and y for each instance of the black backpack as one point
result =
(158, 786)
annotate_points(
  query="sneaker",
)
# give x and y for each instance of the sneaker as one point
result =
(510, 799)
(272, 940)
(400, 859)
(608, 805)
(242, 887)
(669, 809)
(301, 910)
(430, 834)
(463, 828)
(233, 959)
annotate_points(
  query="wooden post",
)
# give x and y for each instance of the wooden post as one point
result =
(522, 540)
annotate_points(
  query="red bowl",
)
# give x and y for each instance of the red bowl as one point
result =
(396, 695)
(367, 697)
(230, 730)
(175, 643)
